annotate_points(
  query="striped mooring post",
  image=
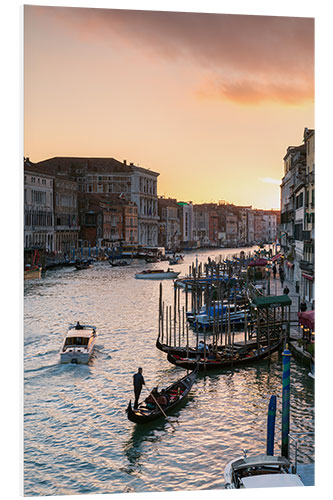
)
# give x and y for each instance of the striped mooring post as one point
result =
(271, 426)
(285, 402)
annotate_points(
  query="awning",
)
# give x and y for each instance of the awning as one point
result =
(271, 300)
(307, 319)
(276, 257)
(258, 262)
(309, 277)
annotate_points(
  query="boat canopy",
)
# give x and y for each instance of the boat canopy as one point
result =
(271, 301)
(272, 481)
(307, 319)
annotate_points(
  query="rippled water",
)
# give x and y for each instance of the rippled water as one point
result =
(77, 436)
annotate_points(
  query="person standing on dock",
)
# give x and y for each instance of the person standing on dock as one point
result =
(138, 382)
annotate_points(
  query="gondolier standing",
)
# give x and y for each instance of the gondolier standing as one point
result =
(138, 382)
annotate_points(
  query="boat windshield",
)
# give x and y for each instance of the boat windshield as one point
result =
(77, 341)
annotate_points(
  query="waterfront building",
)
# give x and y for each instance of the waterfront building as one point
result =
(297, 215)
(38, 208)
(66, 214)
(270, 221)
(169, 223)
(307, 262)
(201, 218)
(185, 213)
(108, 221)
(101, 176)
(294, 162)
(231, 229)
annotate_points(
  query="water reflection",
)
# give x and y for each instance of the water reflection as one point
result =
(75, 414)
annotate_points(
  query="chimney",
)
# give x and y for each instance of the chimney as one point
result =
(125, 162)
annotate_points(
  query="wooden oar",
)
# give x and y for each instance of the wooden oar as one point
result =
(152, 395)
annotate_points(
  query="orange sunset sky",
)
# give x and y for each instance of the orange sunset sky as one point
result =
(210, 101)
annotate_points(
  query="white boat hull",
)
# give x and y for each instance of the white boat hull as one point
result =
(78, 354)
(156, 276)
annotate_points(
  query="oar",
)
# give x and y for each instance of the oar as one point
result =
(160, 408)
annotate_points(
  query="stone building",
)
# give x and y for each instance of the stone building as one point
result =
(66, 214)
(38, 208)
(297, 215)
(169, 224)
(108, 176)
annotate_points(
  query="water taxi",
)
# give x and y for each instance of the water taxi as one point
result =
(78, 344)
(157, 274)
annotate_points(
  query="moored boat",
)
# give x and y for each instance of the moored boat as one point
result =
(227, 358)
(32, 271)
(78, 344)
(260, 471)
(157, 274)
(83, 264)
(119, 263)
(176, 393)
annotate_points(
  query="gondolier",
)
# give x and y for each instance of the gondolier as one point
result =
(138, 382)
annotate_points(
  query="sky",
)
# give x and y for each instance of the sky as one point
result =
(210, 101)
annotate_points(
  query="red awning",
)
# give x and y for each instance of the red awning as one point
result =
(276, 257)
(309, 277)
(258, 262)
(307, 319)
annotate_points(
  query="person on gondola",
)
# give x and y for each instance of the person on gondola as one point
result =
(78, 326)
(151, 399)
(163, 398)
(138, 382)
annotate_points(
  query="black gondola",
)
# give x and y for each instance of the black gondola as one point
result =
(177, 393)
(119, 263)
(226, 359)
(192, 352)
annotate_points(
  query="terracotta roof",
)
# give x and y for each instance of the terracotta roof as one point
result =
(90, 164)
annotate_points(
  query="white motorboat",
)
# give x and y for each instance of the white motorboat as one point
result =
(157, 274)
(78, 344)
(260, 471)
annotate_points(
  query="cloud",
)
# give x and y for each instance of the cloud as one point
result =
(249, 59)
(269, 180)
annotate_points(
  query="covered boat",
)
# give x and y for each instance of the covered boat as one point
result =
(157, 274)
(230, 357)
(78, 344)
(176, 394)
(261, 471)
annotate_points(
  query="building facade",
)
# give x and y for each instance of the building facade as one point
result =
(66, 214)
(297, 215)
(38, 208)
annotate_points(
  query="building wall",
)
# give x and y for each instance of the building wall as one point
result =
(38, 210)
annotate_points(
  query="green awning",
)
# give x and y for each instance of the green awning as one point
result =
(271, 301)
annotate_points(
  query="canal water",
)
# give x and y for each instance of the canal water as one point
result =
(77, 438)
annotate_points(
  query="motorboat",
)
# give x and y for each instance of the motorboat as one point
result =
(78, 344)
(260, 471)
(157, 274)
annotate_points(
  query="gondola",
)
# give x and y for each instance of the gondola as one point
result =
(193, 352)
(227, 359)
(177, 393)
(119, 263)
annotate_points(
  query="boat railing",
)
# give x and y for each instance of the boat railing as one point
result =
(295, 438)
